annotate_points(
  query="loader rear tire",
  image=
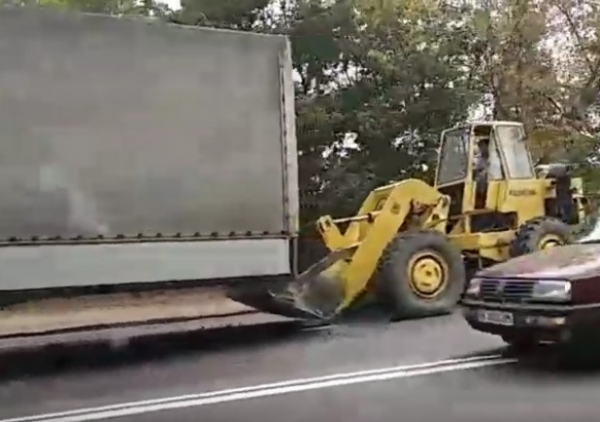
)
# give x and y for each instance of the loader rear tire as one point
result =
(396, 275)
(539, 234)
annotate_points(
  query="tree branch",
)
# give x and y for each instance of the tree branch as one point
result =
(575, 32)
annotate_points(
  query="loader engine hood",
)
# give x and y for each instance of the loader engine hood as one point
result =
(568, 262)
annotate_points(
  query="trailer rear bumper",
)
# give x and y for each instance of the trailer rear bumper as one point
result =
(30, 267)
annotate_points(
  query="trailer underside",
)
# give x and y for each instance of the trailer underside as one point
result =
(202, 307)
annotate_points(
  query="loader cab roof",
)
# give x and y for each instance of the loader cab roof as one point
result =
(508, 153)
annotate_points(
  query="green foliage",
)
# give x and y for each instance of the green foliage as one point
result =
(233, 14)
(396, 84)
(109, 7)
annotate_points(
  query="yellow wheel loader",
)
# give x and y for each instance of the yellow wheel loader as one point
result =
(414, 245)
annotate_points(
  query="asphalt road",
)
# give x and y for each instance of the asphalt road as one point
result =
(436, 369)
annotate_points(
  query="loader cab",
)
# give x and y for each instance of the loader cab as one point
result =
(452, 173)
(509, 167)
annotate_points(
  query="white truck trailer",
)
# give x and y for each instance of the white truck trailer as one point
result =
(137, 157)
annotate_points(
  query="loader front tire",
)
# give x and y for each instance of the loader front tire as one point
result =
(420, 274)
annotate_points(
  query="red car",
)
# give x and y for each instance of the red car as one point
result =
(547, 296)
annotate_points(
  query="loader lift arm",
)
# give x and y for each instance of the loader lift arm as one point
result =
(333, 284)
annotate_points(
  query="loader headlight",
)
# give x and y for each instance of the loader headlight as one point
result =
(474, 287)
(552, 290)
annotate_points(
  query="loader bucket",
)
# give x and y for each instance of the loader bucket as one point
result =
(315, 294)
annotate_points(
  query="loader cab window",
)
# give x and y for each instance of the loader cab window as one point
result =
(495, 170)
(454, 156)
(484, 136)
(511, 140)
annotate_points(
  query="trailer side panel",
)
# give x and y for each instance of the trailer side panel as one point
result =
(118, 128)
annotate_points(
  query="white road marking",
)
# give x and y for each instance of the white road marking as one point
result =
(264, 390)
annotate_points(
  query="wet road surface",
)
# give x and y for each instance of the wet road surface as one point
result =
(435, 369)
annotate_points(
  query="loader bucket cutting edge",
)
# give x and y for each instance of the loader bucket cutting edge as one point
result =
(312, 295)
(283, 301)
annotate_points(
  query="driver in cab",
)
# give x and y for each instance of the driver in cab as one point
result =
(481, 159)
(481, 164)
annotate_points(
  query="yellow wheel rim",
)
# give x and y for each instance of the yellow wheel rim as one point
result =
(428, 274)
(550, 241)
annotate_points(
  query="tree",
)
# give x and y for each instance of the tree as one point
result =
(109, 7)
(407, 82)
(553, 94)
(231, 14)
